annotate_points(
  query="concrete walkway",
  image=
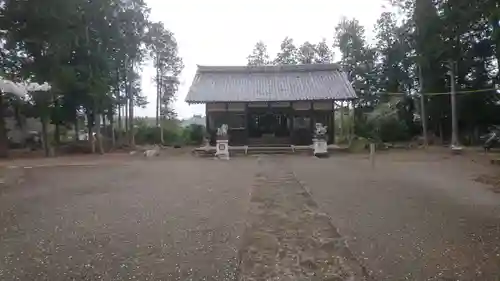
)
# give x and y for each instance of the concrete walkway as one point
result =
(287, 237)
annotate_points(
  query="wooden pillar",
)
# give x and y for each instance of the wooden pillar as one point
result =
(207, 123)
(209, 129)
(311, 121)
(247, 127)
(331, 126)
(352, 113)
(311, 116)
(226, 121)
(292, 123)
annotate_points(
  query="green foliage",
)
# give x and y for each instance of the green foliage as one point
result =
(89, 51)
(152, 135)
(259, 55)
(323, 53)
(420, 36)
(288, 53)
(358, 60)
(306, 53)
(164, 53)
(173, 134)
(194, 134)
(386, 122)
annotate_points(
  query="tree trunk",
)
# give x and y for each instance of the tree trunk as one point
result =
(20, 120)
(57, 134)
(441, 132)
(476, 135)
(352, 125)
(90, 122)
(45, 136)
(57, 130)
(77, 130)
(131, 120)
(4, 143)
(127, 97)
(98, 134)
(105, 126)
(126, 115)
(341, 111)
(117, 94)
(112, 128)
(162, 140)
(131, 113)
(157, 93)
(119, 116)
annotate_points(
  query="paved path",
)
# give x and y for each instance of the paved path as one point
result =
(410, 220)
(148, 220)
(288, 238)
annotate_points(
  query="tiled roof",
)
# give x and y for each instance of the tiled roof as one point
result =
(269, 83)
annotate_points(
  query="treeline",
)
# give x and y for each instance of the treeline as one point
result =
(91, 53)
(414, 51)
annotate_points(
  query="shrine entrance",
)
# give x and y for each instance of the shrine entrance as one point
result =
(270, 124)
(266, 126)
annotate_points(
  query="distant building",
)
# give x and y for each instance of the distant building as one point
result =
(17, 134)
(196, 120)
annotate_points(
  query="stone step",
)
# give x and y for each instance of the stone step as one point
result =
(269, 145)
(270, 150)
(252, 150)
(495, 161)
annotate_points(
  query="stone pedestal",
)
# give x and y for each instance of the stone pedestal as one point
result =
(222, 149)
(320, 148)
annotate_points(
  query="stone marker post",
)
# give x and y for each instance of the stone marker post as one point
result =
(222, 145)
(319, 142)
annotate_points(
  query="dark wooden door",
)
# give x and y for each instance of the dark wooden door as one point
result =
(268, 123)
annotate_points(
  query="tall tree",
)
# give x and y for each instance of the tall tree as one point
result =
(394, 67)
(357, 60)
(84, 49)
(394, 61)
(307, 53)
(259, 55)
(168, 64)
(288, 53)
(421, 38)
(323, 53)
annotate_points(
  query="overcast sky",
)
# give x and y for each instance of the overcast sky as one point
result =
(224, 32)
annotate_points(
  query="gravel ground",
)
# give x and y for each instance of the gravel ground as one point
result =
(162, 219)
(416, 216)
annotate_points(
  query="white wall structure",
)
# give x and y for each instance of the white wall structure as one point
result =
(14, 132)
(22, 89)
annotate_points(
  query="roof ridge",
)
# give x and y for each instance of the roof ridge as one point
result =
(271, 68)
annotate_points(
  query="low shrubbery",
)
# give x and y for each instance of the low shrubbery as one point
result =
(387, 122)
(152, 135)
(192, 135)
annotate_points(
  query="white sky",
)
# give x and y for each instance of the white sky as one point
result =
(224, 32)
